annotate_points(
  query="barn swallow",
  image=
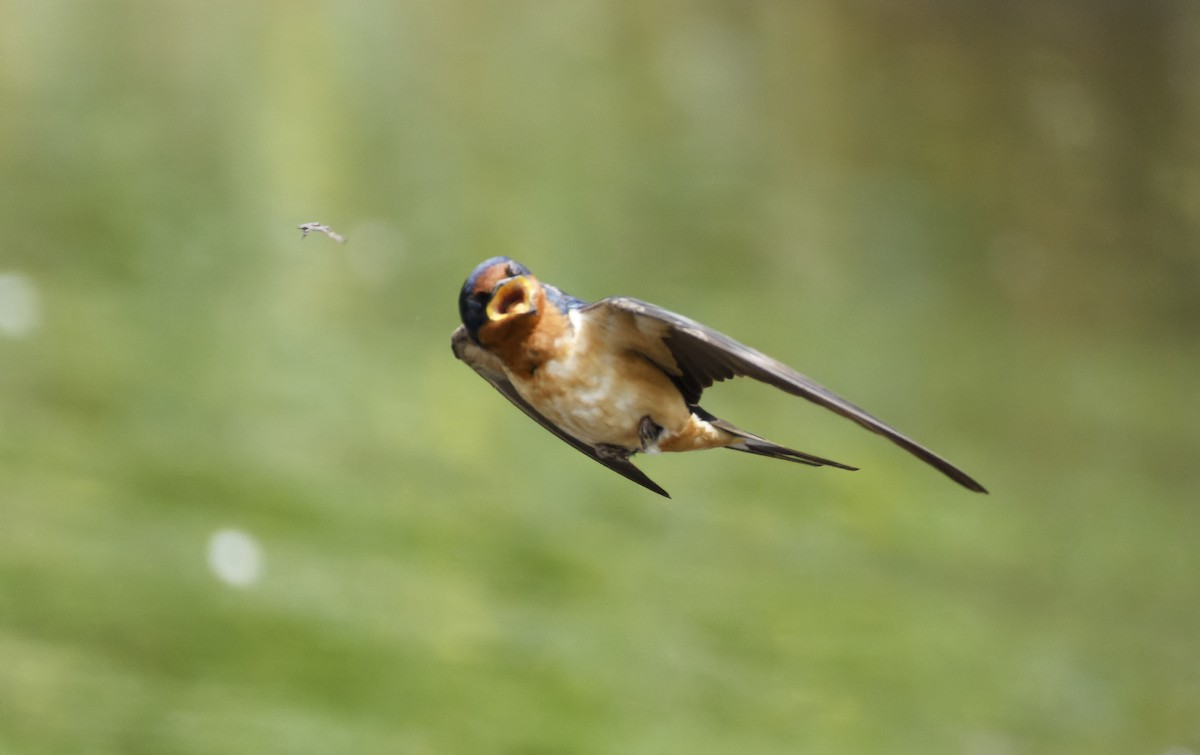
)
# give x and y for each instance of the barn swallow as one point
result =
(619, 376)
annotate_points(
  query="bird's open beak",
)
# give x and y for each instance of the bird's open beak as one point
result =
(513, 296)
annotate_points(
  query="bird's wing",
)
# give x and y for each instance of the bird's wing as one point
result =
(490, 369)
(695, 356)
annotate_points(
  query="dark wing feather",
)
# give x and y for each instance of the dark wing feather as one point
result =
(696, 356)
(489, 368)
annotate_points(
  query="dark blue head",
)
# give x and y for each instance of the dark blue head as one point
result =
(481, 284)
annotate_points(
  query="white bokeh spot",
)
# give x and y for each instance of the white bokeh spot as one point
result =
(20, 305)
(235, 557)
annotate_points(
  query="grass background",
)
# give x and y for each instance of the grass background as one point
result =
(981, 223)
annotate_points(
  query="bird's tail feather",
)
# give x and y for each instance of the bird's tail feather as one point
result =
(761, 447)
(754, 444)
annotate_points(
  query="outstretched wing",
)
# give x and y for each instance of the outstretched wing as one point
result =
(695, 356)
(490, 369)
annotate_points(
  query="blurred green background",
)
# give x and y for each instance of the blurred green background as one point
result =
(250, 503)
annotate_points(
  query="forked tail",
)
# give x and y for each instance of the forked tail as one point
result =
(762, 447)
(754, 444)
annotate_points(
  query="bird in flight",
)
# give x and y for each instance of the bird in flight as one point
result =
(618, 377)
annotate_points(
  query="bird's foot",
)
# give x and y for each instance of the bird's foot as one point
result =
(648, 432)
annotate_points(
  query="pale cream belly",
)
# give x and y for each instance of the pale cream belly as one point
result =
(604, 401)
